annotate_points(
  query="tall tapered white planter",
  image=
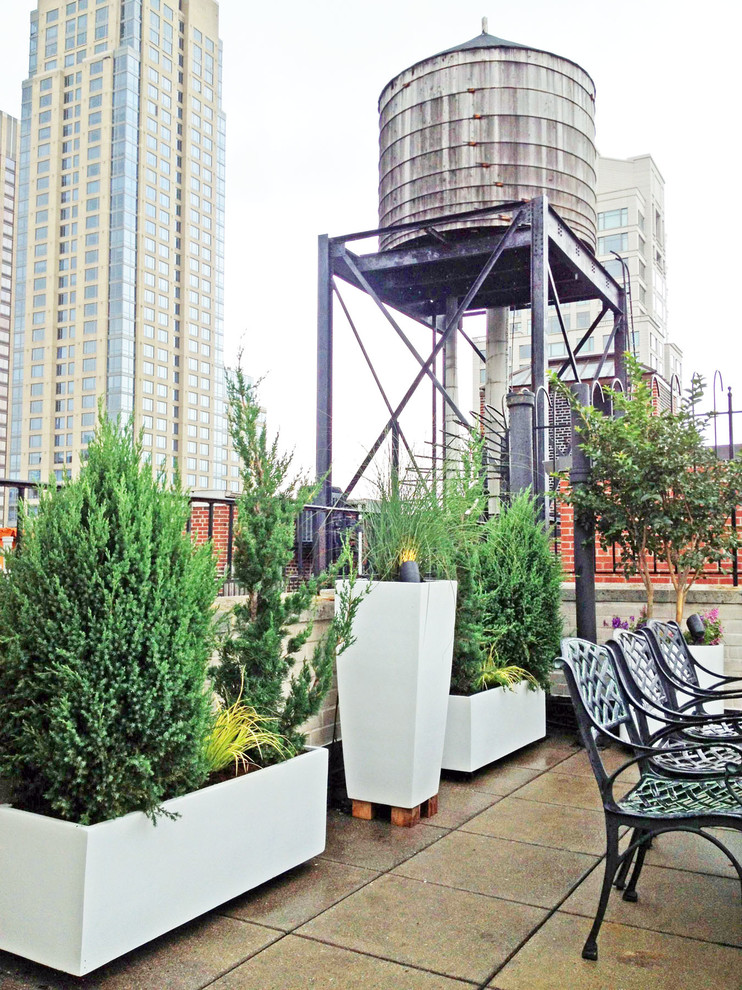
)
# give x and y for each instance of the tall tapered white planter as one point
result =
(484, 727)
(393, 685)
(73, 897)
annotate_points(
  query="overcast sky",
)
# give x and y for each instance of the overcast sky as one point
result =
(301, 84)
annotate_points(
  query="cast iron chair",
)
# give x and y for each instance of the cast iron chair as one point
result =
(668, 642)
(653, 700)
(657, 803)
(653, 696)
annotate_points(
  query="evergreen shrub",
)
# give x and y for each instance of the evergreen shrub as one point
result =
(509, 609)
(105, 634)
(259, 661)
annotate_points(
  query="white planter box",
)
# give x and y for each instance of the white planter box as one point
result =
(393, 685)
(713, 658)
(73, 897)
(484, 727)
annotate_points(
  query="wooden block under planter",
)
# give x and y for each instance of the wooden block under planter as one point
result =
(404, 817)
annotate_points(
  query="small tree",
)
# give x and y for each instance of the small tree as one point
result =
(655, 490)
(521, 591)
(105, 636)
(258, 657)
(464, 505)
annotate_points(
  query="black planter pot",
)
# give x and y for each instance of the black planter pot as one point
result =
(409, 572)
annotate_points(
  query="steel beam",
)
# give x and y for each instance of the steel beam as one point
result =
(583, 340)
(584, 532)
(565, 337)
(582, 260)
(539, 360)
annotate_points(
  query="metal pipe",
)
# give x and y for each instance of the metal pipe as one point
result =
(324, 389)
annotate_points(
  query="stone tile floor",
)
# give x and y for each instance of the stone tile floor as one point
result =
(498, 890)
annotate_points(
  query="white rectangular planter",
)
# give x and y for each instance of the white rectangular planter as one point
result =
(485, 727)
(713, 658)
(74, 897)
(393, 685)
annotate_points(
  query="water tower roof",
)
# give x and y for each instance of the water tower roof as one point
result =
(484, 40)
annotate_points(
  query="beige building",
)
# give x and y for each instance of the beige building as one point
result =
(631, 223)
(119, 269)
(8, 178)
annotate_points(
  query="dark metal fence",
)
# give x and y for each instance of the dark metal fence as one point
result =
(720, 423)
(217, 521)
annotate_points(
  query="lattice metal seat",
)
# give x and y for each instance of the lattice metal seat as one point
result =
(655, 699)
(680, 666)
(659, 802)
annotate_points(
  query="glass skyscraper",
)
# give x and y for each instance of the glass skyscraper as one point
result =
(120, 236)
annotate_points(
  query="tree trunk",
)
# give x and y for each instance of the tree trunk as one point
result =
(682, 591)
(647, 581)
(650, 599)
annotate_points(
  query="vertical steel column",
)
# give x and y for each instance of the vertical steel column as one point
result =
(450, 448)
(520, 414)
(434, 409)
(495, 391)
(539, 362)
(621, 341)
(584, 532)
(324, 395)
(735, 558)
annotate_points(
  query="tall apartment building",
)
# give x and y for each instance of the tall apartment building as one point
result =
(631, 223)
(8, 179)
(119, 269)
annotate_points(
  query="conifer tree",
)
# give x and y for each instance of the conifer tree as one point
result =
(105, 634)
(258, 658)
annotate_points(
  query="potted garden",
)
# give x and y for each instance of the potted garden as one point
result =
(508, 629)
(707, 647)
(393, 680)
(109, 730)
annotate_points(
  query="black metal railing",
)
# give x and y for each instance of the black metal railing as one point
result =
(316, 526)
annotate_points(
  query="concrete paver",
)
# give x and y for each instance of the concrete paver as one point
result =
(499, 890)
(450, 931)
(628, 959)
(556, 826)
(695, 905)
(375, 845)
(515, 871)
(297, 962)
(300, 894)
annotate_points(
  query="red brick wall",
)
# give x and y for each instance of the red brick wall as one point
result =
(220, 538)
(605, 573)
(220, 535)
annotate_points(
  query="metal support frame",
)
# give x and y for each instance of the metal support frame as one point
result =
(535, 260)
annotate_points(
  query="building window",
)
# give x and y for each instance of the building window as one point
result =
(614, 242)
(612, 219)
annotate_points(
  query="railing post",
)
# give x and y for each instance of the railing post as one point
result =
(584, 532)
(735, 561)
